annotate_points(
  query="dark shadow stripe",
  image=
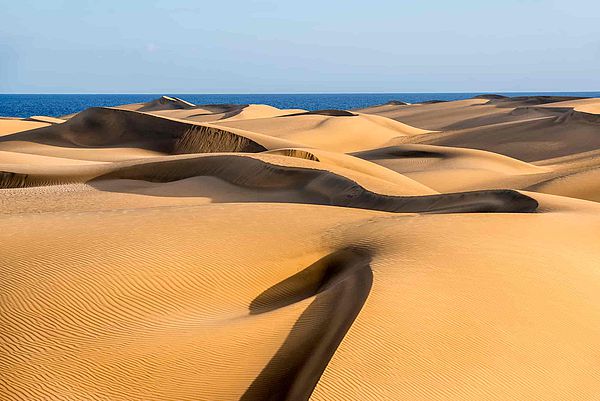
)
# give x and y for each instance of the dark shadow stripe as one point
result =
(323, 187)
(341, 282)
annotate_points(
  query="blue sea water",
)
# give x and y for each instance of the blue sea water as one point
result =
(21, 105)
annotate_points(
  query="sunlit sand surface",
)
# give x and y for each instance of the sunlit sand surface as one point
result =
(435, 251)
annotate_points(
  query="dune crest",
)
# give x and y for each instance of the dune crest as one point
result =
(111, 128)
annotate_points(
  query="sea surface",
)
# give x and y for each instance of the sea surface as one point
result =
(55, 105)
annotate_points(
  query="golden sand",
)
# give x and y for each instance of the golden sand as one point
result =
(168, 251)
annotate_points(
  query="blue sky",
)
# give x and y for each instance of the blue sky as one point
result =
(79, 46)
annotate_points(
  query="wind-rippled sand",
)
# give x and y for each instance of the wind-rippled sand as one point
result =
(435, 251)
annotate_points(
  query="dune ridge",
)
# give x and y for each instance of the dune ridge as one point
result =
(321, 187)
(104, 127)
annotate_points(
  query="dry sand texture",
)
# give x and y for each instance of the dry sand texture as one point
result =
(436, 251)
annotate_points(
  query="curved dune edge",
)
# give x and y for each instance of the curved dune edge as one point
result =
(456, 157)
(349, 163)
(321, 186)
(451, 169)
(205, 139)
(327, 112)
(306, 154)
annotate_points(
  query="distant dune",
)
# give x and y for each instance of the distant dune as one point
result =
(446, 250)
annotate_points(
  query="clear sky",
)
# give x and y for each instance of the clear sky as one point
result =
(231, 46)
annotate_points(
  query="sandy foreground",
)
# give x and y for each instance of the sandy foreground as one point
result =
(435, 251)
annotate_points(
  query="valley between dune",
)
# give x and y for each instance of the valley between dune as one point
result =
(431, 251)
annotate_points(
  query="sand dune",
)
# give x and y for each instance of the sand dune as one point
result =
(208, 113)
(162, 103)
(447, 169)
(104, 127)
(589, 105)
(469, 113)
(334, 131)
(13, 125)
(171, 251)
(353, 165)
(583, 184)
(530, 140)
(46, 119)
(179, 108)
(530, 129)
(101, 129)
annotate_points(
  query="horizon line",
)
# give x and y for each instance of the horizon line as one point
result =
(293, 93)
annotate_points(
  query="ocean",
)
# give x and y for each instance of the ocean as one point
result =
(55, 105)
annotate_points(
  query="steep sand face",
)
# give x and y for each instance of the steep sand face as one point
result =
(226, 252)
